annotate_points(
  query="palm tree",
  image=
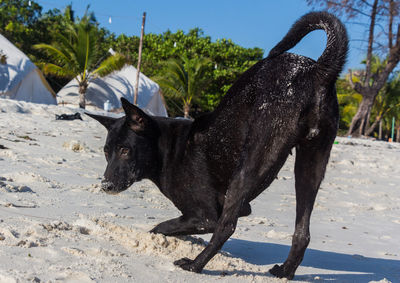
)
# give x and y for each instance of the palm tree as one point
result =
(184, 79)
(75, 54)
(348, 103)
(387, 104)
(387, 101)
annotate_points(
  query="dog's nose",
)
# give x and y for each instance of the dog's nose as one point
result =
(107, 186)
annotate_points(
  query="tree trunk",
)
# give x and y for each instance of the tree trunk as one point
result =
(380, 130)
(360, 121)
(372, 80)
(372, 83)
(186, 109)
(392, 8)
(82, 94)
(373, 126)
(368, 62)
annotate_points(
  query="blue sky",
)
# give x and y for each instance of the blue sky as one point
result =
(252, 23)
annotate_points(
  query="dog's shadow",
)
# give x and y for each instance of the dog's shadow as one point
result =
(351, 268)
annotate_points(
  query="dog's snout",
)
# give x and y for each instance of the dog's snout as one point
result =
(107, 186)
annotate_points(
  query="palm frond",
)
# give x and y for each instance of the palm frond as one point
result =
(176, 70)
(64, 40)
(82, 48)
(93, 49)
(196, 69)
(60, 56)
(169, 88)
(58, 70)
(65, 45)
(110, 64)
(183, 78)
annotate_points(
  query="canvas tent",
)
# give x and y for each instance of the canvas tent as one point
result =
(20, 79)
(113, 87)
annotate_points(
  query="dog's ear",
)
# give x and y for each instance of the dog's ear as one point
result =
(104, 120)
(137, 120)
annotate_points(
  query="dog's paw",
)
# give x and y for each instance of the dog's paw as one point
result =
(280, 272)
(155, 230)
(161, 229)
(187, 264)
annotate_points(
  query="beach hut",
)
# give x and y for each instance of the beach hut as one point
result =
(20, 79)
(109, 89)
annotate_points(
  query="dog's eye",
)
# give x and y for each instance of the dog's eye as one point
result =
(124, 151)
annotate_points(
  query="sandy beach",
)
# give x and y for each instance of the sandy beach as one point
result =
(56, 225)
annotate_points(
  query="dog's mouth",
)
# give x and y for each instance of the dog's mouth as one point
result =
(110, 188)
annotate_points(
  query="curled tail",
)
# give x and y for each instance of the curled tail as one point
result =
(332, 60)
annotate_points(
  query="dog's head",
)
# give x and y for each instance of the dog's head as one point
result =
(130, 149)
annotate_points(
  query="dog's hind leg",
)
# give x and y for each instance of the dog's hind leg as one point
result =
(184, 225)
(311, 160)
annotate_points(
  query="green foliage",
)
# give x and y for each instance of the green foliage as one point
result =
(110, 64)
(387, 104)
(183, 80)
(26, 26)
(75, 53)
(79, 48)
(391, 96)
(228, 60)
(348, 102)
(18, 21)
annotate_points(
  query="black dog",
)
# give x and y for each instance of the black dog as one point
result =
(212, 167)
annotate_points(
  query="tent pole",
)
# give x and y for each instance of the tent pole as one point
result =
(139, 59)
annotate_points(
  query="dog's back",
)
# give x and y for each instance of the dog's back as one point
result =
(264, 114)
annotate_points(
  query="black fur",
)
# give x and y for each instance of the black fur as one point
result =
(213, 167)
(77, 115)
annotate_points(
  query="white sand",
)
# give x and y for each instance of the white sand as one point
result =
(57, 226)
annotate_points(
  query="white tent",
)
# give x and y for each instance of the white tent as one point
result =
(20, 79)
(113, 87)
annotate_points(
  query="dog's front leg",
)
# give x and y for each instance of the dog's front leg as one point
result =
(185, 225)
(225, 227)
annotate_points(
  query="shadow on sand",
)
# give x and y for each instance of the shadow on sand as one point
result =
(352, 268)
